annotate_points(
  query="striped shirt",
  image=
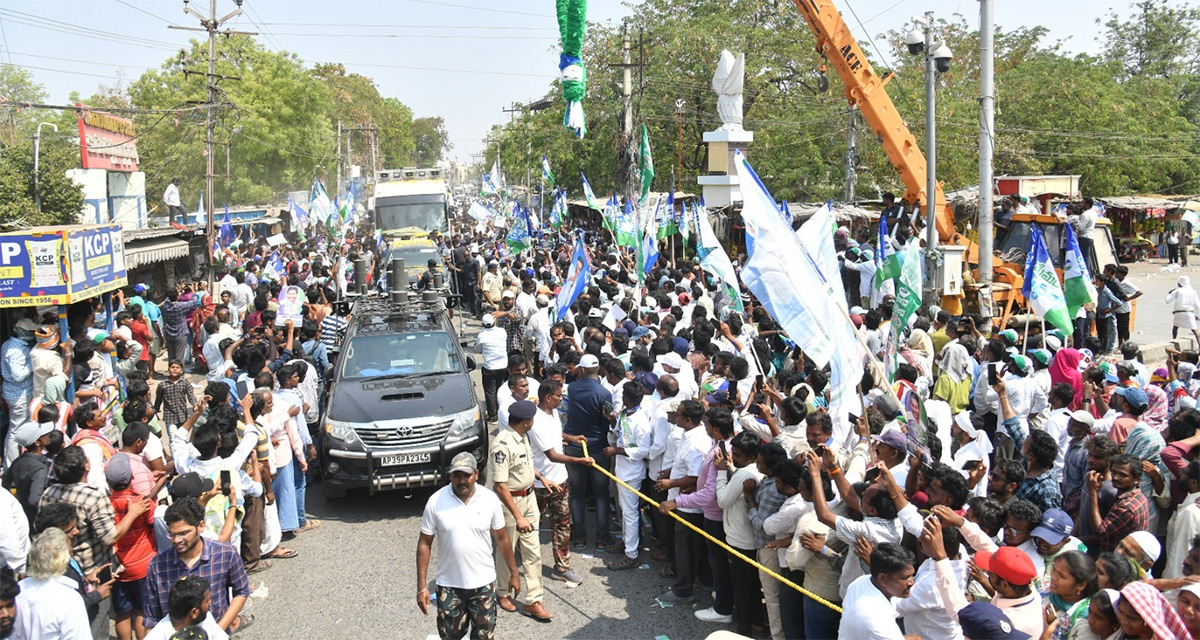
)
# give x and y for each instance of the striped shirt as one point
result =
(333, 330)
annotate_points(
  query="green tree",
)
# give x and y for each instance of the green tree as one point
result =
(357, 104)
(280, 108)
(431, 139)
(62, 199)
(18, 87)
(1122, 127)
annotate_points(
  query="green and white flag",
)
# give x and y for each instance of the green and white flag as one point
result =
(1041, 287)
(647, 167)
(587, 193)
(547, 174)
(627, 232)
(1077, 282)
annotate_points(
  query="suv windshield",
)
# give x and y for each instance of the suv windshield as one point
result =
(400, 354)
(416, 256)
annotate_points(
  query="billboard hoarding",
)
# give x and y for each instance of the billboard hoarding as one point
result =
(106, 141)
(60, 265)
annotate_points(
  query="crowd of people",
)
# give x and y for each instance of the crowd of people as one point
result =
(138, 501)
(997, 483)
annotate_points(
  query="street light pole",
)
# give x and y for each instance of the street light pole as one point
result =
(37, 145)
(931, 261)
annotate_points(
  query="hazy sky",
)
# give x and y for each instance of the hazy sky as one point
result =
(464, 60)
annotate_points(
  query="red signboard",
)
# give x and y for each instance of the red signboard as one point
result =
(106, 141)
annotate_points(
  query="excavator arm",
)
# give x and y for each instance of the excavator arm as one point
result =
(865, 89)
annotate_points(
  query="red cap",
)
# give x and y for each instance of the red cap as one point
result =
(1009, 563)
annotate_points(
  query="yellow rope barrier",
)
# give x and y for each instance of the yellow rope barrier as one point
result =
(724, 546)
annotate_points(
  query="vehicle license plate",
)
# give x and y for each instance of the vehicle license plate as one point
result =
(405, 458)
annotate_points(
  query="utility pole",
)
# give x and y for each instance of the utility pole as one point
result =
(374, 150)
(987, 117)
(338, 146)
(627, 82)
(212, 25)
(851, 155)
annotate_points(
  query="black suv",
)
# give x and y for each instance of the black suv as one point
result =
(401, 403)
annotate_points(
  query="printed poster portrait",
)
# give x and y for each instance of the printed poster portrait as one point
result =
(291, 306)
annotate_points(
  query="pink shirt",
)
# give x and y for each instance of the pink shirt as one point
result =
(705, 497)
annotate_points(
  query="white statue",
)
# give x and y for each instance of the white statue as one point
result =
(727, 82)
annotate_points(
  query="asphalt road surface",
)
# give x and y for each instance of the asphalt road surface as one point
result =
(355, 577)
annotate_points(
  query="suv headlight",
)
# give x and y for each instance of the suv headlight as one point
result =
(341, 431)
(464, 422)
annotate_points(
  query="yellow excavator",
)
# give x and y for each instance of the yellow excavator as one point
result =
(865, 90)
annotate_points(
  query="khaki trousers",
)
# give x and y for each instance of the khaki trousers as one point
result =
(530, 548)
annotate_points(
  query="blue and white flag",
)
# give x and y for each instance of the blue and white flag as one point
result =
(299, 216)
(1041, 288)
(480, 211)
(275, 265)
(781, 273)
(650, 248)
(226, 232)
(715, 261)
(201, 213)
(578, 276)
(846, 365)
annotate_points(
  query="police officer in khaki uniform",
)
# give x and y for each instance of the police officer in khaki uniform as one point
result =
(510, 475)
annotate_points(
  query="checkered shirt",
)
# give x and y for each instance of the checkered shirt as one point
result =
(93, 545)
(219, 563)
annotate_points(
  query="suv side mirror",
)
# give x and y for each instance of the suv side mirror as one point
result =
(471, 363)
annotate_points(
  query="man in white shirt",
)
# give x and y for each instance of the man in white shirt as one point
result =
(493, 345)
(546, 442)
(867, 610)
(518, 389)
(14, 533)
(469, 521)
(629, 442)
(187, 605)
(48, 605)
(538, 329)
(685, 471)
(173, 203)
(1085, 228)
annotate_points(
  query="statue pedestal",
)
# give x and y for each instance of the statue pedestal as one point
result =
(721, 185)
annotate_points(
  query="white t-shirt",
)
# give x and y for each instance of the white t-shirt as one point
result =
(464, 536)
(689, 458)
(546, 435)
(867, 614)
(493, 345)
(164, 629)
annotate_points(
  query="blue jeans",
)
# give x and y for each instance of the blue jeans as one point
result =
(820, 621)
(584, 480)
(300, 481)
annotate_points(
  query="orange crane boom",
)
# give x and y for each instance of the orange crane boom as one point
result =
(865, 89)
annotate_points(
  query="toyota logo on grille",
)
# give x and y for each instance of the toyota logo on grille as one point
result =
(404, 431)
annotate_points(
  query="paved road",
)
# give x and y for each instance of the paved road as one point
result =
(355, 577)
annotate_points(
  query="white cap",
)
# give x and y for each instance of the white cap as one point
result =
(672, 359)
(589, 361)
(508, 294)
(488, 320)
(543, 300)
(1083, 417)
(1151, 547)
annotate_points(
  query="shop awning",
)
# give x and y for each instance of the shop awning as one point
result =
(267, 220)
(143, 252)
